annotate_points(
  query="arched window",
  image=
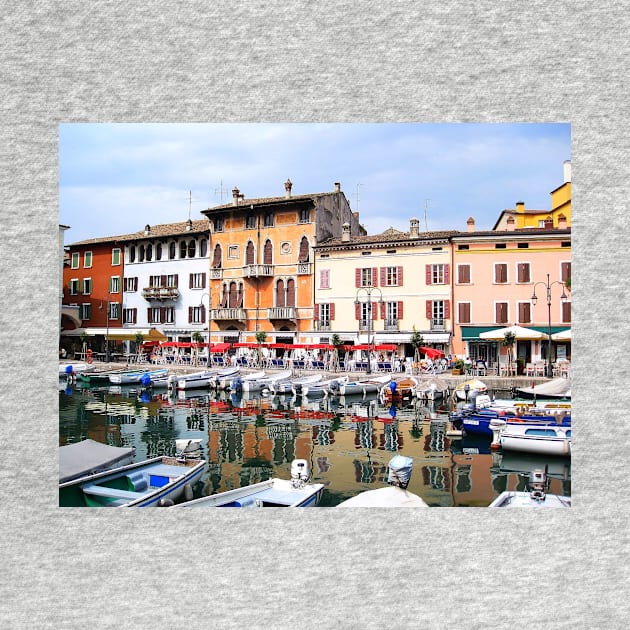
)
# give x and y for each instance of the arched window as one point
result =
(233, 295)
(249, 254)
(158, 251)
(239, 303)
(172, 249)
(203, 247)
(149, 251)
(132, 253)
(268, 253)
(303, 255)
(141, 253)
(218, 255)
(224, 297)
(192, 248)
(280, 294)
(182, 249)
(291, 292)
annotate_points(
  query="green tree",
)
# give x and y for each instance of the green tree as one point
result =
(336, 343)
(508, 342)
(261, 335)
(417, 340)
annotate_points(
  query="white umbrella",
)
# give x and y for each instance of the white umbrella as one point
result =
(519, 332)
(562, 335)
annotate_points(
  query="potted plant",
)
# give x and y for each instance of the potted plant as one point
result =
(261, 335)
(458, 367)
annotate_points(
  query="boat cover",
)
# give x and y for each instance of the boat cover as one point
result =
(390, 496)
(89, 457)
(558, 388)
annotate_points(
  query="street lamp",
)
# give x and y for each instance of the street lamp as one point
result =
(563, 297)
(368, 292)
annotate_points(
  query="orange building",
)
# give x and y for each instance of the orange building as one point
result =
(261, 263)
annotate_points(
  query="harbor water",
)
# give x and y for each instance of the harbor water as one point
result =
(347, 443)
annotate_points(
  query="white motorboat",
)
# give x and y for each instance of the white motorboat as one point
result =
(129, 377)
(240, 383)
(537, 497)
(547, 439)
(294, 492)
(194, 380)
(223, 379)
(464, 390)
(259, 384)
(321, 388)
(394, 495)
(292, 385)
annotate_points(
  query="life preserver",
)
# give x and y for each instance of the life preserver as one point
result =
(88, 356)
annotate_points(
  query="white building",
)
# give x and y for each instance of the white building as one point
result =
(165, 284)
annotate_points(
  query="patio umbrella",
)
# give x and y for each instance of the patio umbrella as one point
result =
(519, 332)
(562, 335)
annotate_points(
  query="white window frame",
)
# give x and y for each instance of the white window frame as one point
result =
(469, 274)
(470, 304)
(392, 278)
(86, 255)
(74, 260)
(529, 264)
(86, 311)
(114, 310)
(86, 289)
(507, 273)
(197, 313)
(74, 286)
(438, 273)
(197, 280)
(114, 284)
(116, 251)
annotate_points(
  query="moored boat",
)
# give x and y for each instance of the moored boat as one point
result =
(89, 457)
(537, 497)
(464, 390)
(557, 388)
(294, 492)
(96, 376)
(548, 439)
(394, 495)
(480, 422)
(144, 484)
(398, 388)
(127, 377)
(322, 388)
(294, 384)
(194, 380)
(240, 382)
(259, 384)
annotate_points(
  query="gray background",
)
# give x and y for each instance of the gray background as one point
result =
(325, 61)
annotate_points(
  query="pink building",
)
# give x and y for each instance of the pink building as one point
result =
(495, 275)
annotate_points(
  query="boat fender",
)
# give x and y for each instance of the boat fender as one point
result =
(188, 493)
(146, 380)
(392, 386)
(68, 369)
(166, 503)
(88, 356)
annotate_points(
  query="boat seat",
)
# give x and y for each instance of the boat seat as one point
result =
(138, 481)
(114, 493)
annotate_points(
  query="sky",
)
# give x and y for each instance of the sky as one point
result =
(116, 178)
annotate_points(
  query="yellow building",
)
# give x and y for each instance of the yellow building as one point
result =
(559, 216)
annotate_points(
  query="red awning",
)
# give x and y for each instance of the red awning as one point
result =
(432, 353)
(220, 347)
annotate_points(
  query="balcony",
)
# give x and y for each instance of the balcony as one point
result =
(227, 314)
(284, 312)
(322, 325)
(258, 271)
(304, 269)
(391, 324)
(216, 273)
(160, 293)
(365, 324)
(438, 324)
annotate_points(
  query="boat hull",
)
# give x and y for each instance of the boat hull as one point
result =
(547, 440)
(144, 484)
(272, 493)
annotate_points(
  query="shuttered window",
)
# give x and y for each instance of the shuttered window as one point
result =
(280, 294)
(463, 274)
(249, 254)
(500, 273)
(501, 313)
(523, 272)
(463, 312)
(524, 313)
(268, 253)
(304, 250)
(217, 257)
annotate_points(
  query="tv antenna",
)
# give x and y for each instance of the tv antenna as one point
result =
(426, 205)
(358, 184)
(220, 190)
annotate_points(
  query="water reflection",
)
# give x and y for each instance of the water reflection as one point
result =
(348, 443)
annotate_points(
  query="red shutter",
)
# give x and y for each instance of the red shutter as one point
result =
(374, 310)
(190, 280)
(447, 309)
(332, 310)
(316, 312)
(382, 310)
(429, 309)
(149, 316)
(375, 276)
(190, 314)
(357, 311)
(176, 279)
(400, 276)
(162, 315)
(162, 281)
(357, 278)
(400, 309)
(203, 314)
(447, 274)
(383, 276)
(428, 274)
(203, 280)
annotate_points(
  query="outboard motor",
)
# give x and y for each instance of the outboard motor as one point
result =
(333, 387)
(300, 473)
(146, 380)
(538, 484)
(188, 449)
(237, 384)
(400, 468)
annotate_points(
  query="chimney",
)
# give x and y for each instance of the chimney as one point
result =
(287, 188)
(235, 196)
(345, 232)
(567, 171)
(337, 187)
(147, 229)
(562, 222)
(414, 228)
(511, 224)
(520, 207)
(471, 224)
(188, 225)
